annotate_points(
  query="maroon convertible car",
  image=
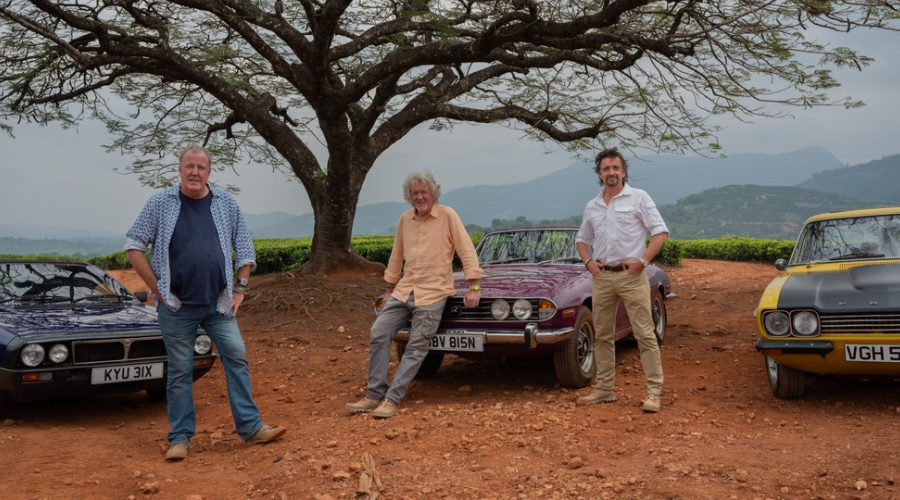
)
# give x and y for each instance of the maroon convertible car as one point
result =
(535, 301)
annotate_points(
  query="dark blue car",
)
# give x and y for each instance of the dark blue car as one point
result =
(71, 330)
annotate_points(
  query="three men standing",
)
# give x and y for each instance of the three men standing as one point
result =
(616, 224)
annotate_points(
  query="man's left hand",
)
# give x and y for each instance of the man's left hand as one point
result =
(634, 267)
(471, 298)
(236, 300)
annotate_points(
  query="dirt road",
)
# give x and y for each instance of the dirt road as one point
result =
(477, 430)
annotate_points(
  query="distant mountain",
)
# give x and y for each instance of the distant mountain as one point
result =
(771, 212)
(86, 247)
(564, 193)
(876, 181)
(34, 231)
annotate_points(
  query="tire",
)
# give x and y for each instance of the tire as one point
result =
(156, 395)
(430, 364)
(575, 363)
(660, 317)
(785, 382)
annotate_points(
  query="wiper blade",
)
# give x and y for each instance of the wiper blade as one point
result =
(106, 297)
(857, 255)
(506, 261)
(562, 259)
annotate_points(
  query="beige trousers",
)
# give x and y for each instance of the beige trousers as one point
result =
(634, 291)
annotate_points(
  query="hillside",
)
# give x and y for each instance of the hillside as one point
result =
(875, 181)
(771, 212)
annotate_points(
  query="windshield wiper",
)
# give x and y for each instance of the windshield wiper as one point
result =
(105, 297)
(562, 259)
(506, 261)
(857, 255)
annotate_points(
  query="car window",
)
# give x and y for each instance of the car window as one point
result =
(870, 237)
(528, 246)
(58, 283)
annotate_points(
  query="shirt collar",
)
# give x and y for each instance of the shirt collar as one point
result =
(432, 214)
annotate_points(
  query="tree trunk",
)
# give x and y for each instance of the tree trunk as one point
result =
(334, 208)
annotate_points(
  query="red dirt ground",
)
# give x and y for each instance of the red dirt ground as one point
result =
(476, 430)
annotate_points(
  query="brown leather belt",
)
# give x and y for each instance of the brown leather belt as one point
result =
(614, 269)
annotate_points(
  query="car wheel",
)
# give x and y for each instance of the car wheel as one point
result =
(157, 395)
(785, 382)
(660, 317)
(430, 364)
(574, 363)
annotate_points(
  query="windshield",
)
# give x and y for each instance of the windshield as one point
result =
(872, 237)
(30, 282)
(533, 246)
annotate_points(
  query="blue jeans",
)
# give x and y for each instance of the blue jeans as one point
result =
(179, 331)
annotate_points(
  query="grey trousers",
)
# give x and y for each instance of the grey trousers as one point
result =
(393, 317)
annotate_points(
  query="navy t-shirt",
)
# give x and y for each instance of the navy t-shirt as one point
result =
(195, 256)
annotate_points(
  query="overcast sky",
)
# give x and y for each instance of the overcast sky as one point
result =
(52, 177)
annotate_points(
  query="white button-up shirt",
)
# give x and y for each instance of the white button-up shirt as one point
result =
(618, 231)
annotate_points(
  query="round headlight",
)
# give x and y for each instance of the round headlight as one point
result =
(777, 324)
(59, 353)
(32, 355)
(522, 309)
(500, 309)
(203, 344)
(805, 323)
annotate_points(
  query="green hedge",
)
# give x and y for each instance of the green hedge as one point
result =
(284, 254)
(738, 249)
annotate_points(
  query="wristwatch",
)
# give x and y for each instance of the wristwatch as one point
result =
(644, 262)
(475, 288)
(242, 282)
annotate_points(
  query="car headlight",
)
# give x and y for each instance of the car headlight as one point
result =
(32, 355)
(777, 324)
(522, 309)
(203, 344)
(500, 309)
(806, 324)
(59, 353)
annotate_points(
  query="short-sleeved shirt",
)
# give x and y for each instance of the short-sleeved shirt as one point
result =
(155, 226)
(423, 251)
(618, 231)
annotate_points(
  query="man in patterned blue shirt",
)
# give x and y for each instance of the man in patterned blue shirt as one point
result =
(193, 229)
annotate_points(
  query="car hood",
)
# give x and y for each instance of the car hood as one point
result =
(867, 288)
(27, 321)
(526, 281)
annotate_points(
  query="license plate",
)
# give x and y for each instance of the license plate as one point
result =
(872, 353)
(457, 340)
(128, 373)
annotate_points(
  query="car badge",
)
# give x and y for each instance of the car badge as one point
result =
(127, 342)
(456, 311)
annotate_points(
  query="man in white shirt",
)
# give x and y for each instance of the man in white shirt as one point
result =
(616, 224)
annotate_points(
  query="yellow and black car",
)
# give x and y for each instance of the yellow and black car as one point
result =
(835, 306)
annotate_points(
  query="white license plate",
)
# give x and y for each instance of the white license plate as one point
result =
(127, 373)
(457, 340)
(872, 353)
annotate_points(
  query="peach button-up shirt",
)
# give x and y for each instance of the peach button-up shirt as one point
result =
(421, 261)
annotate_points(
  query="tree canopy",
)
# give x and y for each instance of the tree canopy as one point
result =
(271, 82)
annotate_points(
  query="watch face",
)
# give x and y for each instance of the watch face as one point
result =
(241, 282)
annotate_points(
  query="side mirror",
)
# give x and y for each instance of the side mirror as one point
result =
(142, 296)
(781, 264)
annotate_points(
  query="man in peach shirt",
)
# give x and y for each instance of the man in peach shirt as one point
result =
(419, 278)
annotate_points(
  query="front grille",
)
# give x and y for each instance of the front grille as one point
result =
(456, 311)
(98, 351)
(860, 323)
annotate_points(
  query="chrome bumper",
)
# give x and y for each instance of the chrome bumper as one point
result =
(530, 336)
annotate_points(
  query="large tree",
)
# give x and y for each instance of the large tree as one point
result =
(266, 81)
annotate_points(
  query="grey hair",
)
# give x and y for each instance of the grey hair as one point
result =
(194, 148)
(423, 178)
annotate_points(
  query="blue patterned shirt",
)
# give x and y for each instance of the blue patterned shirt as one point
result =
(156, 224)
